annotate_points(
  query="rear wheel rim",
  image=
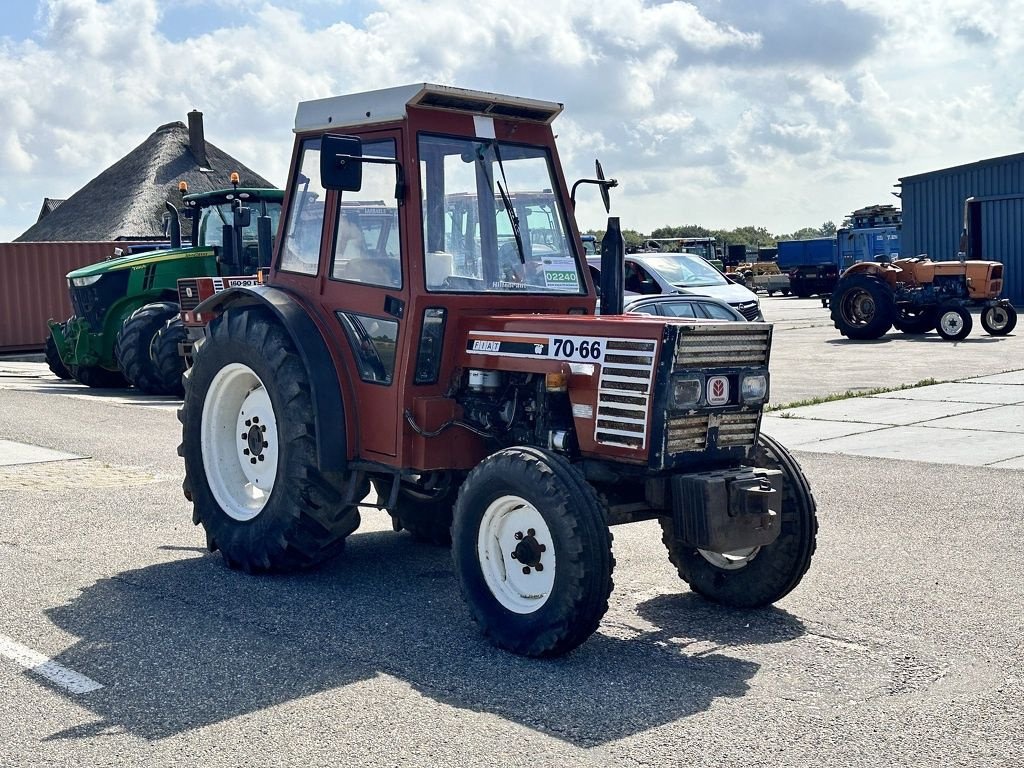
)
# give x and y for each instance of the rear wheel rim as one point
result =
(516, 554)
(240, 442)
(858, 307)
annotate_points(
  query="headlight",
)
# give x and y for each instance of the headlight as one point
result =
(685, 392)
(753, 389)
(81, 282)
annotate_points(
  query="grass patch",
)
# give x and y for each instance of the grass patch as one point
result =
(850, 394)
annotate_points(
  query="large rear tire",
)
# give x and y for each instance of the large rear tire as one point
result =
(915, 321)
(53, 361)
(532, 551)
(999, 320)
(134, 349)
(168, 365)
(862, 307)
(249, 444)
(426, 513)
(762, 575)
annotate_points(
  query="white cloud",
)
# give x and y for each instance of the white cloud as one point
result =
(782, 114)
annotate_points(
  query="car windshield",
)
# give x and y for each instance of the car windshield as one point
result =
(491, 220)
(685, 270)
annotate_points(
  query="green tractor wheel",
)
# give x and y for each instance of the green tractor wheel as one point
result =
(53, 360)
(134, 349)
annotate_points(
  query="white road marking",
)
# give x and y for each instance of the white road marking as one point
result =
(56, 673)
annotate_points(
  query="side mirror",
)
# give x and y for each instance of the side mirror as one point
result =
(341, 163)
(243, 216)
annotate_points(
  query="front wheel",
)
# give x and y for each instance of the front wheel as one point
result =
(759, 576)
(999, 320)
(915, 321)
(249, 444)
(532, 551)
(52, 355)
(954, 323)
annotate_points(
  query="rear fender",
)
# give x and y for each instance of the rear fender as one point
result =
(866, 268)
(328, 405)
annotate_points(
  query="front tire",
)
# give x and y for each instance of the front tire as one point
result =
(954, 323)
(999, 320)
(134, 350)
(97, 377)
(915, 321)
(53, 361)
(760, 576)
(862, 307)
(247, 396)
(532, 551)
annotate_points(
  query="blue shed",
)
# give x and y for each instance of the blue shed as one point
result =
(934, 213)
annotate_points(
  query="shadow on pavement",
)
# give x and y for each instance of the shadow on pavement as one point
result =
(184, 644)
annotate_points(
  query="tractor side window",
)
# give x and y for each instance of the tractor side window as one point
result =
(300, 248)
(366, 244)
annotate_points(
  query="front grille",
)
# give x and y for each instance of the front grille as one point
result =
(696, 432)
(92, 302)
(624, 392)
(727, 345)
(188, 294)
(748, 309)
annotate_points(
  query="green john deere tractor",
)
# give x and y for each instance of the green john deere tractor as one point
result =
(127, 326)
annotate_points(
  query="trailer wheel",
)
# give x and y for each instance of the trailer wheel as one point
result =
(954, 323)
(53, 361)
(762, 575)
(862, 307)
(915, 321)
(249, 444)
(425, 513)
(532, 551)
(168, 365)
(999, 320)
(134, 349)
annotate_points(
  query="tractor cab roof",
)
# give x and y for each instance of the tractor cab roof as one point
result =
(219, 196)
(392, 104)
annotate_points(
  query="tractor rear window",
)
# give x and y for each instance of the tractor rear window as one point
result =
(491, 220)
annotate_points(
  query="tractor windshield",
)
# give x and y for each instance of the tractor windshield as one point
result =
(214, 218)
(470, 227)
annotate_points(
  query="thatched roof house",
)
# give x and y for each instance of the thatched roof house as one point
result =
(126, 201)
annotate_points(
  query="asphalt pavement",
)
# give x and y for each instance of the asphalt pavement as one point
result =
(123, 642)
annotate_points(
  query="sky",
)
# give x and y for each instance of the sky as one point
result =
(725, 113)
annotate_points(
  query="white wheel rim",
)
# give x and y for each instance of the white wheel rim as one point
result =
(516, 554)
(730, 561)
(952, 323)
(998, 318)
(240, 442)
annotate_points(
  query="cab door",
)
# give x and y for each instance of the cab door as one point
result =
(364, 293)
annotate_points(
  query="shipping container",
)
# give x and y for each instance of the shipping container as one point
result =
(818, 250)
(933, 214)
(34, 287)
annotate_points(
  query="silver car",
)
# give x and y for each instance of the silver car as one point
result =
(659, 273)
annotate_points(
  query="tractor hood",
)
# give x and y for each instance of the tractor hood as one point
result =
(133, 260)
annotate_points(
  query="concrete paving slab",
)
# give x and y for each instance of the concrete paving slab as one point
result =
(12, 453)
(804, 432)
(938, 446)
(1002, 418)
(1017, 463)
(962, 392)
(1010, 377)
(883, 410)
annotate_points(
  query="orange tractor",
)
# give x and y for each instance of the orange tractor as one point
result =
(917, 295)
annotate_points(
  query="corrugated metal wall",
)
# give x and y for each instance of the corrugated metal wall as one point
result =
(33, 287)
(933, 211)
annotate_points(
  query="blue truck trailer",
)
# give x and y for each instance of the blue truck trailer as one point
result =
(814, 266)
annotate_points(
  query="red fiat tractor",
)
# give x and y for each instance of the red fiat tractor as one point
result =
(489, 408)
